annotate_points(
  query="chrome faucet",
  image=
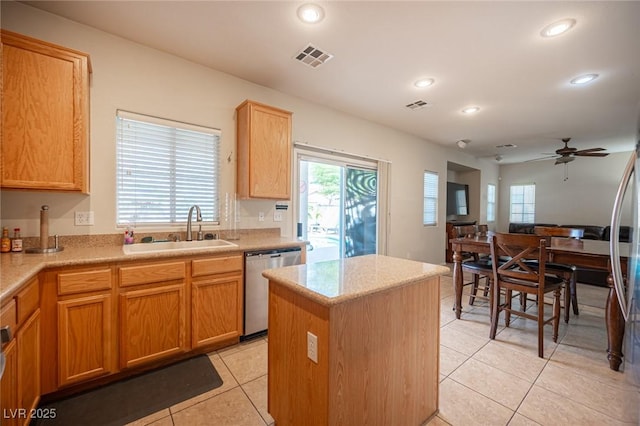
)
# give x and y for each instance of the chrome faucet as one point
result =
(198, 218)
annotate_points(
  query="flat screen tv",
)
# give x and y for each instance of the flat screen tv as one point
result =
(457, 199)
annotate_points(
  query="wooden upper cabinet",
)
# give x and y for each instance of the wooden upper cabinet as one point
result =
(264, 152)
(45, 115)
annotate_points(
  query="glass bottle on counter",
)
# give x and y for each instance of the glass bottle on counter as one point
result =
(16, 241)
(5, 243)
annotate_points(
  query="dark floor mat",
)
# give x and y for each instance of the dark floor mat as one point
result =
(133, 398)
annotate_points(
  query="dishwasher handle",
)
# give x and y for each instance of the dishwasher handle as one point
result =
(273, 252)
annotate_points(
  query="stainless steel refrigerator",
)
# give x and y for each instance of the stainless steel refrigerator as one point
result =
(629, 294)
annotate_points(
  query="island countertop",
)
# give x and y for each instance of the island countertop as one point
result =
(336, 281)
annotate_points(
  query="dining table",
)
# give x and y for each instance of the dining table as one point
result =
(591, 254)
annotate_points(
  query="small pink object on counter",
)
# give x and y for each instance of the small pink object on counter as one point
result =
(128, 236)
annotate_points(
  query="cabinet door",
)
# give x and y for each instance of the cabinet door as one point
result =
(44, 115)
(85, 338)
(9, 387)
(264, 152)
(28, 339)
(217, 310)
(152, 324)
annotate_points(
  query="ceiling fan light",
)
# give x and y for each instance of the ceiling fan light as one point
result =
(583, 79)
(564, 159)
(558, 28)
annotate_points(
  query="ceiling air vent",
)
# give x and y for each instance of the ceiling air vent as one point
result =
(312, 56)
(417, 104)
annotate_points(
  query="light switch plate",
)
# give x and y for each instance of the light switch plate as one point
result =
(277, 216)
(84, 218)
(312, 347)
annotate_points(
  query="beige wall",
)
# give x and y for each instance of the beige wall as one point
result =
(135, 78)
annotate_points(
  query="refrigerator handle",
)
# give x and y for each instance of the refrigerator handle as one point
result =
(616, 268)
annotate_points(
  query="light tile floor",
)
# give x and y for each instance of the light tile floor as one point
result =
(482, 381)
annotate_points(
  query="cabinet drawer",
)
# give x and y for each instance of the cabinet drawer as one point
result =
(28, 300)
(8, 316)
(145, 274)
(217, 265)
(81, 282)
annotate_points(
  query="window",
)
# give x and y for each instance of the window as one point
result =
(163, 168)
(491, 203)
(430, 209)
(523, 203)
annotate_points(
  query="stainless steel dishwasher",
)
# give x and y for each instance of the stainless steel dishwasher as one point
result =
(256, 287)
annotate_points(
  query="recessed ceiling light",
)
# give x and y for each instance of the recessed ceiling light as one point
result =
(471, 110)
(310, 13)
(424, 82)
(584, 79)
(557, 28)
(462, 143)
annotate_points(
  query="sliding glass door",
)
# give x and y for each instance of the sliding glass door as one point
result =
(337, 207)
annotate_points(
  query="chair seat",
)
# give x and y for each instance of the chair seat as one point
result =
(480, 266)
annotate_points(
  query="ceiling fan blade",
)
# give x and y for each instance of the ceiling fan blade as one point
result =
(592, 154)
(589, 150)
(542, 158)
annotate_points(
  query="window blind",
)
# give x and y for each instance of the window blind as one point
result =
(163, 168)
(430, 208)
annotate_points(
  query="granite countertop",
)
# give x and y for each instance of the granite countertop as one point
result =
(16, 269)
(337, 281)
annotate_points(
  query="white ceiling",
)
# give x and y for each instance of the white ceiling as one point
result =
(488, 54)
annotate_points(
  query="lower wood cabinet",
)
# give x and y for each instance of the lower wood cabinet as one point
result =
(152, 324)
(28, 338)
(9, 386)
(85, 338)
(85, 332)
(217, 300)
(215, 310)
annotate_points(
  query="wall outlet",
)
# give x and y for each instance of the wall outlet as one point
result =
(277, 216)
(84, 218)
(312, 347)
(261, 217)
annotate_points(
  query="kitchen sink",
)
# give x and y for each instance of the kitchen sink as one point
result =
(175, 246)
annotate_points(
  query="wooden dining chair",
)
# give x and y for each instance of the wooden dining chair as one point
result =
(516, 274)
(482, 230)
(479, 268)
(567, 272)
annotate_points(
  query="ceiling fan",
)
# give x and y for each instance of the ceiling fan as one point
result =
(567, 154)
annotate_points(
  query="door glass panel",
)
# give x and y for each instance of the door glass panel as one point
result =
(360, 225)
(320, 209)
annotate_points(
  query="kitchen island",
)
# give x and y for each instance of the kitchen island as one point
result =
(354, 341)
